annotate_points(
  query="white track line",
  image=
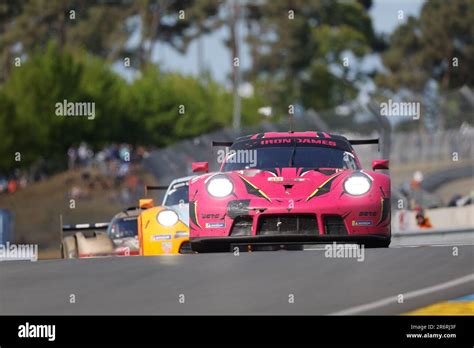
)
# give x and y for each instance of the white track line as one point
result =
(395, 246)
(409, 295)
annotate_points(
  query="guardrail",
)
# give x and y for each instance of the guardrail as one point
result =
(463, 235)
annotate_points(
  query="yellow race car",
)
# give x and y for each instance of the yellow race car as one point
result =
(164, 229)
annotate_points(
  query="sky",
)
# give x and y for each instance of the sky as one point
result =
(217, 57)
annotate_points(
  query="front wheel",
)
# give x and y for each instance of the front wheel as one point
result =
(382, 243)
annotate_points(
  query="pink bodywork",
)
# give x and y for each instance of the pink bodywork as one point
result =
(292, 191)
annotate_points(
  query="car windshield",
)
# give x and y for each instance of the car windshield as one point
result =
(123, 227)
(177, 195)
(292, 154)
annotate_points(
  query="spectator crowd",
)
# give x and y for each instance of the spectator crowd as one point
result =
(116, 161)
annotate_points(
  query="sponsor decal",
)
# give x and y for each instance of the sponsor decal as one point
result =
(210, 216)
(215, 224)
(130, 218)
(157, 237)
(166, 247)
(361, 223)
(282, 179)
(181, 234)
(298, 141)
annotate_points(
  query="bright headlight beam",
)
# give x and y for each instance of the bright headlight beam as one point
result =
(357, 185)
(167, 218)
(220, 187)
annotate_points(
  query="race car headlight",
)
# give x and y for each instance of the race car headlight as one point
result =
(118, 234)
(357, 185)
(167, 218)
(220, 187)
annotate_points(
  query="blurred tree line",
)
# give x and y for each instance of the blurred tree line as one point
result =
(67, 49)
(431, 59)
(156, 108)
(305, 53)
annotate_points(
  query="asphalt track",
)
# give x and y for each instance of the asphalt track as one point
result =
(251, 283)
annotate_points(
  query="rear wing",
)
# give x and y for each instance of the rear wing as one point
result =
(366, 142)
(154, 188)
(69, 229)
(85, 227)
(222, 143)
(130, 209)
(352, 142)
(145, 203)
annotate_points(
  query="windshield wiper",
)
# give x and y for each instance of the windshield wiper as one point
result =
(292, 157)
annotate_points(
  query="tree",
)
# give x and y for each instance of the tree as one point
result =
(299, 49)
(7, 148)
(175, 22)
(96, 25)
(156, 109)
(9, 12)
(436, 47)
(48, 78)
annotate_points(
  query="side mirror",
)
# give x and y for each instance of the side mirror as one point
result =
(200, 167)
(146, 203)
(379, 164)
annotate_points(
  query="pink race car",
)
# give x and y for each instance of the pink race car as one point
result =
(289, 189)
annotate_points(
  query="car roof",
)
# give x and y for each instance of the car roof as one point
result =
(180, 180)
(174, 182)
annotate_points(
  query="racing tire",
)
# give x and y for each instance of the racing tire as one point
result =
(383, 243)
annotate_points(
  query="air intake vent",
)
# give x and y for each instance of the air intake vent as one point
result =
(334, 226)
(287, 225)
(242, 226)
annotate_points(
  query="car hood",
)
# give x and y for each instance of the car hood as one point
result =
(286, 182)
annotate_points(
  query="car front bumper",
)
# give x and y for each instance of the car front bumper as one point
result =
(244, 243)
